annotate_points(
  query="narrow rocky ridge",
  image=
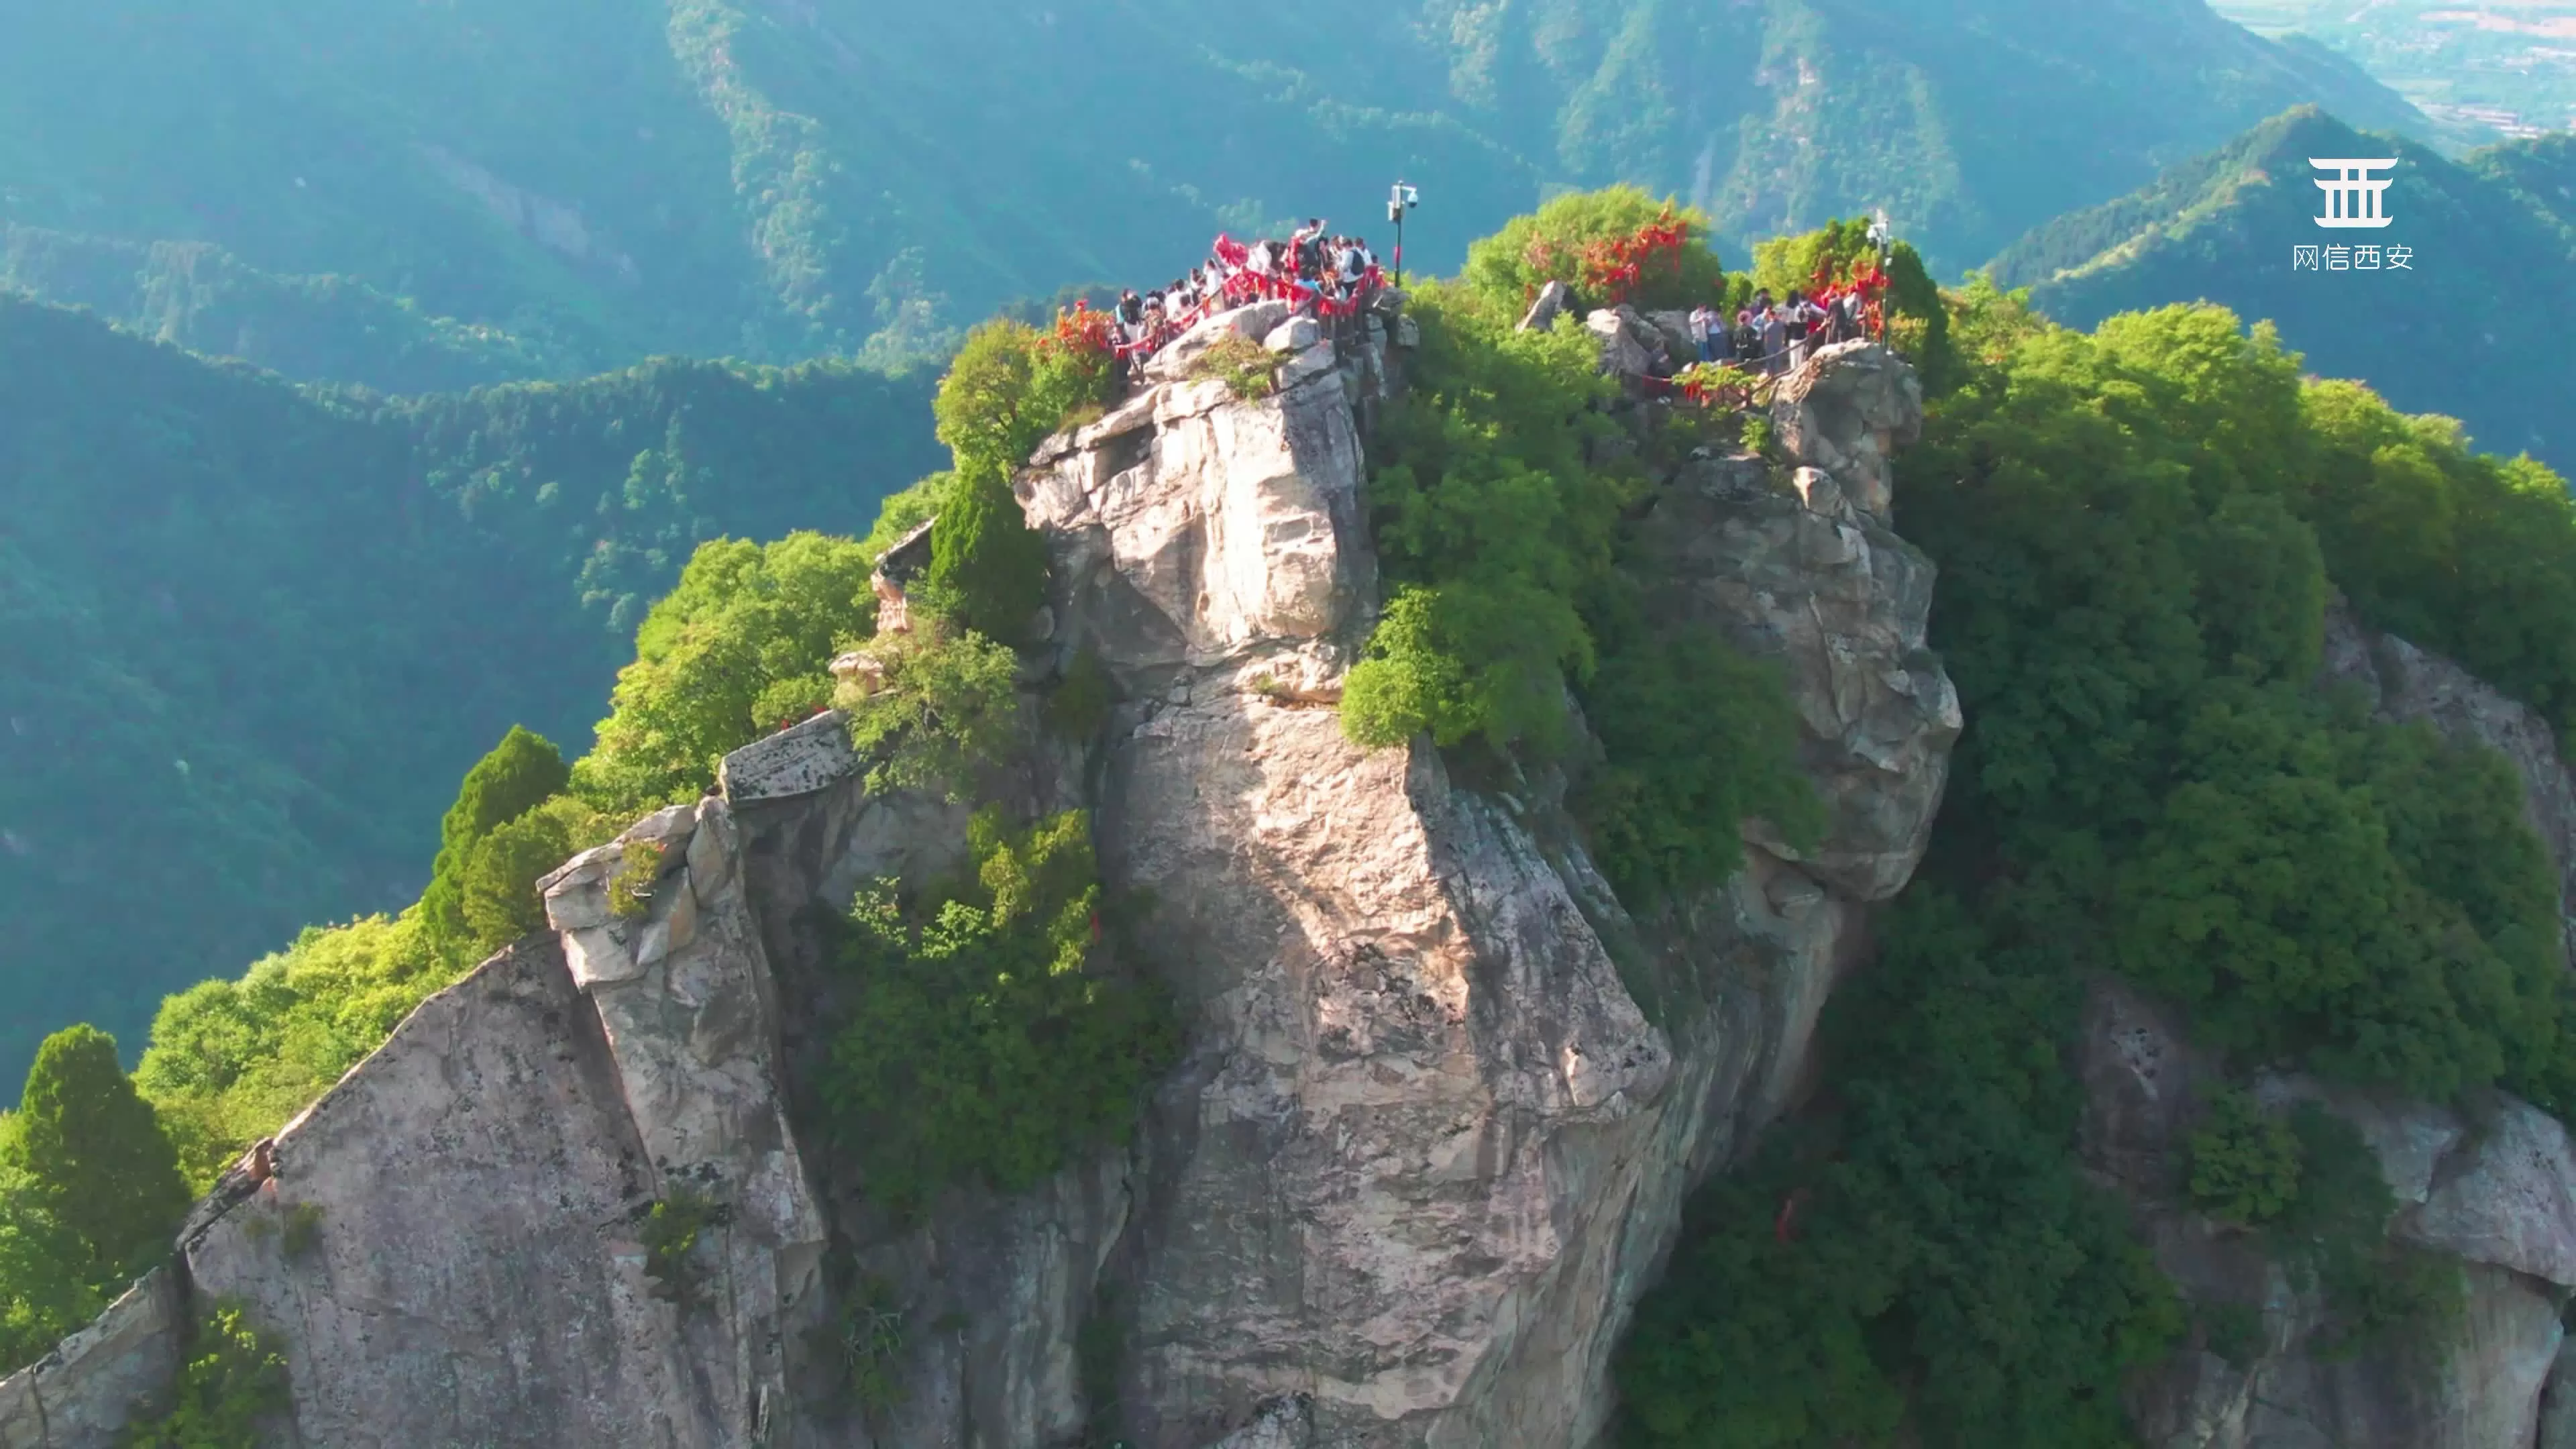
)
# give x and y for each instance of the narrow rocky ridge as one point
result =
(1443, 1095)
(1426, 1147)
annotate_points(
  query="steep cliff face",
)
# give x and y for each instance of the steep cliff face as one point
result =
(1442, 1095)
(2491, 1187)
(1427, 1146)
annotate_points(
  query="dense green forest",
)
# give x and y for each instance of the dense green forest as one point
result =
(2137, 532)
(2461, 332)
(410, 195)
(313, 328)
(251, 636)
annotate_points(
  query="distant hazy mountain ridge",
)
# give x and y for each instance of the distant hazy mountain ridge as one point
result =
(2493, 237)
(774, 181)
(276, 625)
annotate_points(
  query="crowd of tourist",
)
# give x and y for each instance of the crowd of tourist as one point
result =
(1773, 337)
(1311, 269)
(1326, 274)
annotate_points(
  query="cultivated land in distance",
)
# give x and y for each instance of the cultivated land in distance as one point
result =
(2506, 64)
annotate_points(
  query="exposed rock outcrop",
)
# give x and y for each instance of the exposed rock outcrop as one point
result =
(89, 1388)
(2494, 1190)
(1847, 414)
(1425, 1149)
(2403, 683)
(2492, 1193)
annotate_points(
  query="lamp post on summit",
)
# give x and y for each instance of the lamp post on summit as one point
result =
(1399, 200)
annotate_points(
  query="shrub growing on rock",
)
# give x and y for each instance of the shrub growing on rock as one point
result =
(1493, 529)
(947, 708)
(988, 568)
(1010, 386)
(44, 1292)
(630, 887)
(744, 641)
(233, 1380)
(990, 1040)
(671, 1232)
(1249, 370)
(2335, 1232)
(1696, 737)
(500, 879)
(2244, 1164)
(521, 772)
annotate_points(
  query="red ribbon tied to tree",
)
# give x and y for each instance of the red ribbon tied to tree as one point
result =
(1615, 267)
(1868, 281)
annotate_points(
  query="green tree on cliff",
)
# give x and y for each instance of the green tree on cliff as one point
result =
(94, 1155)
(522, 772)
(987, 566)
(740, 648)
(498, 892)
(1010, 387)
(43, 1294)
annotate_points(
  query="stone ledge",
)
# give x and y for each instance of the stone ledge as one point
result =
(81, 1395)
(795, 761)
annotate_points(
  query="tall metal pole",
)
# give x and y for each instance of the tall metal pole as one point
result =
(1400, 199)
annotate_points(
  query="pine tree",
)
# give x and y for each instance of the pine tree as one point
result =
(497, 888)
(521, 773)
(986, 563)
(43, 1292)
(95, 1154)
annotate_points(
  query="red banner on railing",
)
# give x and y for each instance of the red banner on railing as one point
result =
(1241, 288)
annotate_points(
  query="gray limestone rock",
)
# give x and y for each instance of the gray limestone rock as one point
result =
(1294, 335)
(1227, 525)
(2506, 1196)
(1553, 300)
(1673, 328)
(1848, 411)
(795, 761)
(1842, 604)
(2490, 1196)
(84, 1393)
(1411, 1043)
(2558, 1402)
(1631, 346)
(480, 1185)
(1286, 1423)
(1254, 320)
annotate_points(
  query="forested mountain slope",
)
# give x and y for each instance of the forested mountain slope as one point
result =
(251, 636)
(331, 328)
(2493, 270)
(594, 182)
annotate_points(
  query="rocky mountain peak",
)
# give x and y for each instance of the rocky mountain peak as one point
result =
(1442, 1094)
